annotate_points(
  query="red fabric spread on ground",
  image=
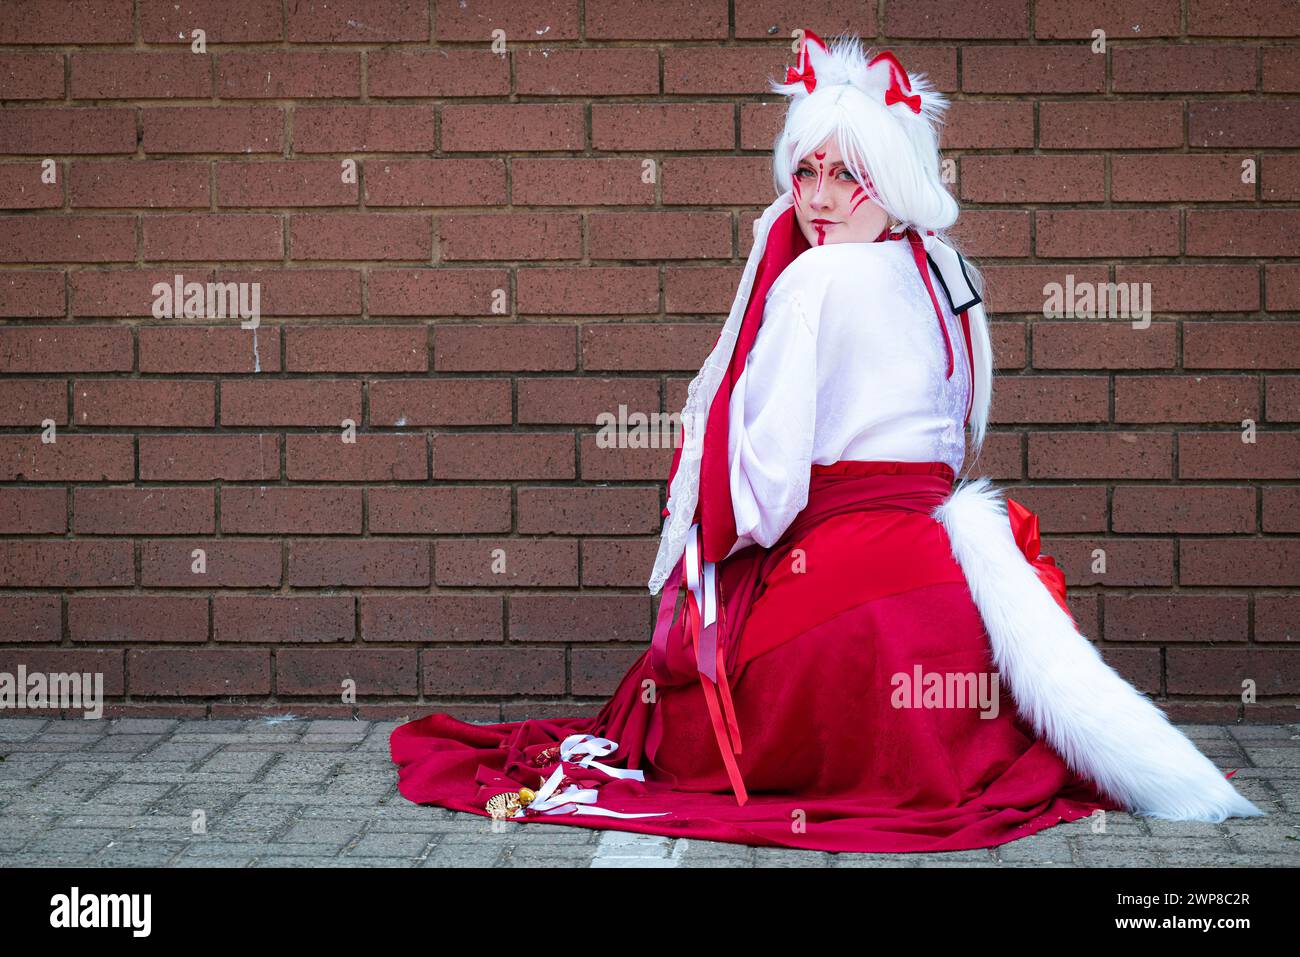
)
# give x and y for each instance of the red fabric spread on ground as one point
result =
(831, 760)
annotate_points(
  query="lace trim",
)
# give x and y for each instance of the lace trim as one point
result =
(684, 492)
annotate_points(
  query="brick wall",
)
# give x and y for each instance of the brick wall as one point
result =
(534, 237)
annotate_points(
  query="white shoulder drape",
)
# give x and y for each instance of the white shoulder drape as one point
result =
(773, 421)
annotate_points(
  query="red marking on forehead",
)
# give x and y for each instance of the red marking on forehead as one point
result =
(819, 155)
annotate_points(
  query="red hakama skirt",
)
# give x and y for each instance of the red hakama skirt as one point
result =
(854, 657)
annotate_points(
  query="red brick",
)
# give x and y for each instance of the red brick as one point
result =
(353, 236)
(588, 511)
(210, 349)
(510, 236)
(579, 182)
(459, 401)
(602, 72)
(138, 76)
(1267, 123)
(356, 349)
(1241, 345)
(1223, 455)
(372, 458)
(479, 455)
(375, 563)
(374, 671)
(598, 671)
(67, 238)
(1281, 508)
(199, 671)
(362, 129)
(1275, 671)
(280, 619)
(295, 183)
(440, 510)
(303, 292)
(1216, 398)
(445, 72)
(272, 510)
(30, 618)
(33, 511)
(1100, 455)
(1165, 510)
(224, 21)
(58, 349)
(295, 402)
(1067, 20)
(581, 401)
(30, 402)
(133, 618)
(1133, 562)
(646, 346)
(1185, 178)
(153, 184)
(935, 19)
(1277, 617)
(436, 182)
(1035, 70)
(1177, 68)
(31, 76)
(288, 74)
(66, 564)
(195, 458)
(31, 294)
(45, 132)
(1249, 18)
(1023, 399)
(88, 21)
(1179, 617)
(170, 563)
(1107, 233)
(91, 661)
(144, 402)
(521, 562)
(375, 21)
(212, 129)
(441, 291)
(431, 618)
(1098, 344)
(143, 510)
(211, 236)
(1244, 562)
(72, 458)
(505, 347)
(467, 671)
(580, 618)
(1033, 179)
(617, 562)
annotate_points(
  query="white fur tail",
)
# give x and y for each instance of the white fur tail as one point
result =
(1103, 727)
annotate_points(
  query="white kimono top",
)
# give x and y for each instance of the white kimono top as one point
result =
(849, 363)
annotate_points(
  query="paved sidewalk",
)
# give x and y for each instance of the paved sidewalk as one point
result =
(312, 793)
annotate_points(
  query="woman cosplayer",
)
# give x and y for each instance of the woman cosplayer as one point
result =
(867, 657)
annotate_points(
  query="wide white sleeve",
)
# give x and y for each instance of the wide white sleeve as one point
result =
(773, 413)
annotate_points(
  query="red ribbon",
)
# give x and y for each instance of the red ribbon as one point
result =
(895, 95)
(1024, 528)
(807, 76)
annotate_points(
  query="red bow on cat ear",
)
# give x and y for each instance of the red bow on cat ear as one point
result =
(805, 72)
(899, 85)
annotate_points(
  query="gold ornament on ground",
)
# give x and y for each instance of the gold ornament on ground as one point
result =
(506, 803)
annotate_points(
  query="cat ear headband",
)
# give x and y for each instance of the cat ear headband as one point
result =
(883, 77)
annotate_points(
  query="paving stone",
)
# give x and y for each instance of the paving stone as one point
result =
(322, 793)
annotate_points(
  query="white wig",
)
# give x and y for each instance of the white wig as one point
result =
(885, 122)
